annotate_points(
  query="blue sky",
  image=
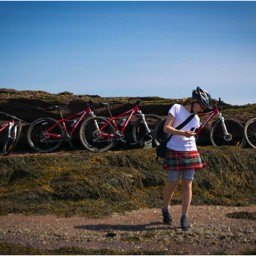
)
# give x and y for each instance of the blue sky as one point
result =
(146, 48)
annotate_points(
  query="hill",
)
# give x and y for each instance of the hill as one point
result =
(31, 105)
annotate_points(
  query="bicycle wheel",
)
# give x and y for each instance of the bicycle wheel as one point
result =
(250, 132)
(90, 137)
(13, 138)
(139, 131)
(159, 135)
(38, 140)
(234, 128)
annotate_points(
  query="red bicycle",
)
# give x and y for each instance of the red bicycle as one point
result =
(224, 132)
(47, 134)
(101, 133)
(10, 131)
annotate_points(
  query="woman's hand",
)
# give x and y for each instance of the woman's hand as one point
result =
(189, 134)
(170, 130)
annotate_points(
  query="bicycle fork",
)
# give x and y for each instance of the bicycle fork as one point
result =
(227, 136)
(10, 134)
(144, 121)
(149, 133)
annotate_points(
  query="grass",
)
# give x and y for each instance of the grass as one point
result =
(242, 215)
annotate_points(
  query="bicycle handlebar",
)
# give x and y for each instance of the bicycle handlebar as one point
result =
(58, 107)
(90, 104)
(217, 107)
(138, 101)
(219, 104)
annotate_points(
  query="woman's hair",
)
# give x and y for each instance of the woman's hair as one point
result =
(187, 101)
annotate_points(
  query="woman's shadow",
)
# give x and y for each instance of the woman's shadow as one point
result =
(129, 227)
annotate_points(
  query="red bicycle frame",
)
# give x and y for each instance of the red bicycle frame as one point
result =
(212, 113)
(4, 126)
(111, 121)
(63, 121)
(129, 115)
(8, 123)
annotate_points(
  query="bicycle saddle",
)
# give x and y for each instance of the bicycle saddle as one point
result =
(54, 107)
(106, 104)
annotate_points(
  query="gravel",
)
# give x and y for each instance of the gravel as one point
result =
(212, 231)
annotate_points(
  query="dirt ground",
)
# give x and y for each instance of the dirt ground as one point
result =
(212, 232)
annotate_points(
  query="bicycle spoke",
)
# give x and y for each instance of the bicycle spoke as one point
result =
(250, 132)
(140, 133)
(235, 130)
(38, 138)
(96, 135)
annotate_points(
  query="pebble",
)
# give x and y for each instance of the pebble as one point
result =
(202, 235)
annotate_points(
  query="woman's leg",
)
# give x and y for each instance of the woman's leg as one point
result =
(187, 179)
(186, 196)
(168, 193)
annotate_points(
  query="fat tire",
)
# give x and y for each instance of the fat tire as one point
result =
(34, 135)
(234, 127)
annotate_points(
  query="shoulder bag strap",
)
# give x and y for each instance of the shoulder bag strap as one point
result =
(182, 125)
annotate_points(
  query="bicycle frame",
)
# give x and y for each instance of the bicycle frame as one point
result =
(215, 111)
(13, 126)
(8, 124)
(211, 114)
(128, 114)
(63, 121)
(4, 126)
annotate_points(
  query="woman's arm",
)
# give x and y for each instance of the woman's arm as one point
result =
(168, 128)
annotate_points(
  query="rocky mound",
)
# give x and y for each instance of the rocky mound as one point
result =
(30, 105)
(79, 182)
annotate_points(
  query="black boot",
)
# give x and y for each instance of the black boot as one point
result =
(184, 223)
(167, 219)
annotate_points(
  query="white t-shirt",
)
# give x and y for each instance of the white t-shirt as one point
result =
(178, 142)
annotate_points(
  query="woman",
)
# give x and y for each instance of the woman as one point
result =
(182, 157)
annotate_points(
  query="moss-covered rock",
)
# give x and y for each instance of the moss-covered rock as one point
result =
(93, 185)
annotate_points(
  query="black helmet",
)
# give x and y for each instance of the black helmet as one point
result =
(203, 97)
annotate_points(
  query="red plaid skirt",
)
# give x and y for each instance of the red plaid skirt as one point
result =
(183, 160)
